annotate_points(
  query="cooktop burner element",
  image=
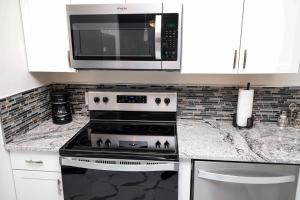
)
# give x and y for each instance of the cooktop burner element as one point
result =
(123, 131)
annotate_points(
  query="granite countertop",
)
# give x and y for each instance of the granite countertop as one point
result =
(47, 136)
(197, 139)
(213, 140)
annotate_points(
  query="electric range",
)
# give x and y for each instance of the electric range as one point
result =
(131, 138)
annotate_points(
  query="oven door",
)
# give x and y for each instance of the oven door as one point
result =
(86, 178)
(100, 35)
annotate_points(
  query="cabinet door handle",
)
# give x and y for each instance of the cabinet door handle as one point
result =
(234, 59)
(69, 58)
(245, 58)
(34, 162)
(59, 186)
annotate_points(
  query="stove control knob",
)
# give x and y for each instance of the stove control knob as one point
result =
(96, 99)
(157, 101)
(105, 99)
(99, 142)
(107, 143)
(167, 144)
(167, 101)
(157, 144)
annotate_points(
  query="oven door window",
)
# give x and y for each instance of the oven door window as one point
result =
(83, 184)
(113, 37)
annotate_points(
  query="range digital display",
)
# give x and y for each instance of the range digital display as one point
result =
(131, 99)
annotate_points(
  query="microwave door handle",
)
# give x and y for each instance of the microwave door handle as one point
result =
(171, 166)
(245, 179)
(158, 28)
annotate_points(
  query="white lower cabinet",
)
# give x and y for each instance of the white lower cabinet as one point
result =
(38, 185)
(37, 175)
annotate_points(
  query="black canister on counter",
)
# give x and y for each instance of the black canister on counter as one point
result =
(62, 109)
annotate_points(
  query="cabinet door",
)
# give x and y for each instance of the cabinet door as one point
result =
(211, 36)
(270, 37)
(46, 35)
(96, 1)
(37, 185)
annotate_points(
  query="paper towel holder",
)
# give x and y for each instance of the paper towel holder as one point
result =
(250, 122)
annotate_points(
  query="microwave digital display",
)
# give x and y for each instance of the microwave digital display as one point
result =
(131, 99)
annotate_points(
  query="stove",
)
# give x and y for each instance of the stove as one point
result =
(127, 125)
(127, 151)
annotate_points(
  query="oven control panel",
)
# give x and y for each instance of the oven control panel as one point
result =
(132, 101)
(159, 143)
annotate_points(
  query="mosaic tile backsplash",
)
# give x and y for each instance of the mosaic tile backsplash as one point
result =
(199, 102)
(26, 110)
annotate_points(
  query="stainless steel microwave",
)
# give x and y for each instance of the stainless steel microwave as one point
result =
(125, 36)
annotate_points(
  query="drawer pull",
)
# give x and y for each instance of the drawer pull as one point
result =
(59, 186)
(39, 162)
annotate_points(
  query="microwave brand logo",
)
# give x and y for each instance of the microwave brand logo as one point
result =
(122, 8)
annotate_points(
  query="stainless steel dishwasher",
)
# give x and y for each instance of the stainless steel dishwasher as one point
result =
(244, 181)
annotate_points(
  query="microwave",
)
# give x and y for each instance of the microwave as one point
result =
(125, 36)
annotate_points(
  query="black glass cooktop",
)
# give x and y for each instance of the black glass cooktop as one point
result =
(133, 128)
(82, 143)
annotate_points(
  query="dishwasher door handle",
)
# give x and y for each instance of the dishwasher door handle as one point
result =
(255, 180)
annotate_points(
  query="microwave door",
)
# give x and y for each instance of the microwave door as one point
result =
(116, 41)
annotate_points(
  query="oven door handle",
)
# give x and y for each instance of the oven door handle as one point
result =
(170, 166)
(158, 28)
(255, 180)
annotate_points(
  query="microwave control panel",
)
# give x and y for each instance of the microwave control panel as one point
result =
(169, 36)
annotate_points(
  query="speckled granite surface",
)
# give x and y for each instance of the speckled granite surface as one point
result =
(197, 139)
(213, 140)
(47, 136)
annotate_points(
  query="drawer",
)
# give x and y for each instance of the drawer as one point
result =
(41, 161)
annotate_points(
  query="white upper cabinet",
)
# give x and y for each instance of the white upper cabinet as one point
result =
(270, 37)
(46, 35)
(211, 36)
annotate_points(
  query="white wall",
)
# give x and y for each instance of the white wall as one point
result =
(174, 78)
(14, 78)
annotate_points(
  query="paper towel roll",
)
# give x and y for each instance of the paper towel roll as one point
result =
(245, 105)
